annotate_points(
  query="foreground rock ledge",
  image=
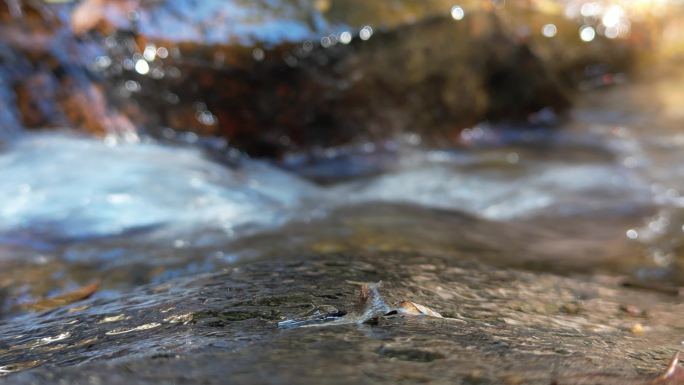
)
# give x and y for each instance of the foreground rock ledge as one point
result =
(506, 326)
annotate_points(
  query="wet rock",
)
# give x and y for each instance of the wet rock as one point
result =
(210, 327)
(351, 71)
(431, 76)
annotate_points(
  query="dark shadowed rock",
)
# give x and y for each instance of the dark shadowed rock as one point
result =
(418, 71)
(431, 77)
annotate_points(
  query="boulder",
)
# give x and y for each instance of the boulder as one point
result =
(279, 77)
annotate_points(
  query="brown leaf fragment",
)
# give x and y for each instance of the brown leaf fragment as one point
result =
(412, 308)
(62, 300)
(369, 303)
(366, 294)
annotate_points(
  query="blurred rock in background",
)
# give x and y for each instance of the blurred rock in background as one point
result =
(285, 76)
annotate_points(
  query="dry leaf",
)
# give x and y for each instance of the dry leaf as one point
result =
(367, 293)
(64, 299)
(369, 304)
